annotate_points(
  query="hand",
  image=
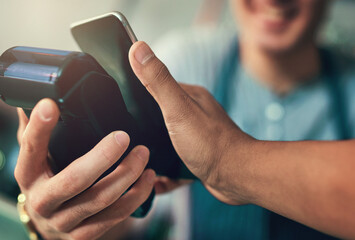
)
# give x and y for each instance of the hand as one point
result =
(200, 130)
(62, 206)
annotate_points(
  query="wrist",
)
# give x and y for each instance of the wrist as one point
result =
(234, 175)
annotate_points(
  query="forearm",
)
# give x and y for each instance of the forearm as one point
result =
(310, 182)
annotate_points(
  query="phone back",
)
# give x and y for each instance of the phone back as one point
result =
(108, 38)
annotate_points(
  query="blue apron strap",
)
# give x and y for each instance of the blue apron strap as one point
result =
(331, 75)
(212, 219)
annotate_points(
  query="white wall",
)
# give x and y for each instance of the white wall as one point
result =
(45, 23)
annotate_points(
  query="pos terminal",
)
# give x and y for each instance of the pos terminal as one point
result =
(91, 106)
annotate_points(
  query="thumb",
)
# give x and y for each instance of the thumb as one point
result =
(156, 78)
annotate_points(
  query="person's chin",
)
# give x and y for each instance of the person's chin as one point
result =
(276, 46)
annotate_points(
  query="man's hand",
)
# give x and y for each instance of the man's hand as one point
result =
(310, 182)
(200, 130)
(62, 206)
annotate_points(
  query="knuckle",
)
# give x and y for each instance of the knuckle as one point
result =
(18, 176)
(70, 182)
(133, 171)
(139, 165)
(161, 76)
(143, 195)
(106, 154)
(38, 204)
(80, 212)
(102, 200)
(27, 145)
(59, 225)
(184, 108)
(104, 227)
(123, 212)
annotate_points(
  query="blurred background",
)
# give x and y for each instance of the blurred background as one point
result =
(45, 23)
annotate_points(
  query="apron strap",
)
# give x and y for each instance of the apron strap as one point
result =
(225, 76)
(338, 104)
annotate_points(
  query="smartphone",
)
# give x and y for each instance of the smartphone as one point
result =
(108, 38)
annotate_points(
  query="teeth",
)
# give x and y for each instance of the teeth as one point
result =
(274, 13)
(274, 17)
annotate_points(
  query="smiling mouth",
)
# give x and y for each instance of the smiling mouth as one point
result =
(277, 18)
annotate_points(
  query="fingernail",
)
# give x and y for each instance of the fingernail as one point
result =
(122, 138)
(143, 54)
(45, 110)
(142, 152)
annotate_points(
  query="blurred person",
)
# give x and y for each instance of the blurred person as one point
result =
(275, 83)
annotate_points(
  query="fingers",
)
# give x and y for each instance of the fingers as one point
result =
(82, 173)
(23, 121)
(103, 193)
(97, 225)
(155, 76)
(32, 161)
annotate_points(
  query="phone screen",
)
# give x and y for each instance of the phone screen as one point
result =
(108, 39)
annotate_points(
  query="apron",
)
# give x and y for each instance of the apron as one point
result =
(263, 224)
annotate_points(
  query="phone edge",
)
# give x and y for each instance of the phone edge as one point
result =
(118, 15)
